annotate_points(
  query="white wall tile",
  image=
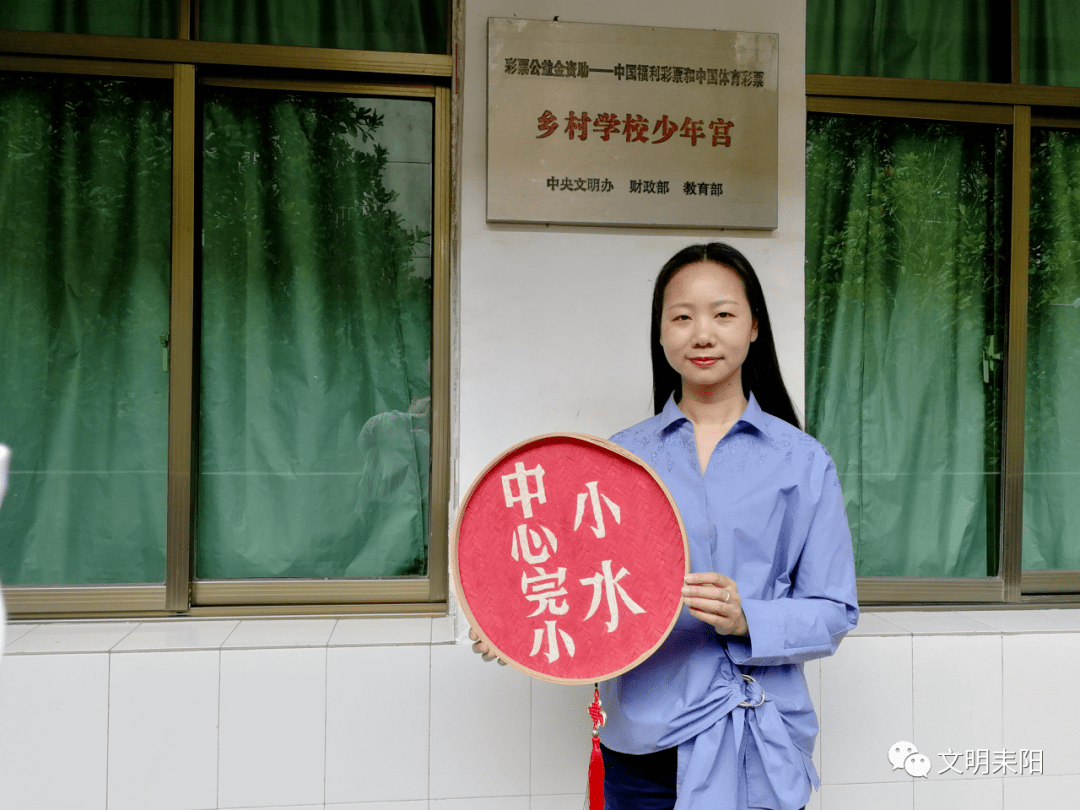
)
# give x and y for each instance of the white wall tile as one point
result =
(957, 704)
(54, 714)
(561, 739)
(482, 803)
(14, 631)
(71, 638)
(382, 630)
(443, 630)
(872, 624)
(953, 794)
(377, 709)
(814, 802)
(1022, 621)
(1070, 615)
(939, 622)
(272, 633)
(479, 726)
(181, 634)
(1038, 792)
(569, 801)
(163, 729)
(865, 709)
(812, 672)
(877, 796)
(1040, 711)
(273, 730)
(418, 805)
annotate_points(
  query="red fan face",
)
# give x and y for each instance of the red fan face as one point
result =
(569, 558)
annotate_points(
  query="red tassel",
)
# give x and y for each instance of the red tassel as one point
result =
(596, 759)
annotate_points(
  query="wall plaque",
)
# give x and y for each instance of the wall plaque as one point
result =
(630, 125)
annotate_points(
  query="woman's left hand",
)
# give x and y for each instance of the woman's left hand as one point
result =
(715, 600)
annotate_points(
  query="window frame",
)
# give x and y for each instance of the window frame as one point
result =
(1018, 107)
(183, 62)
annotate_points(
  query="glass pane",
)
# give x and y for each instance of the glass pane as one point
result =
(127, 18)
(962, 40)
(1049, 43)
(414, 26)
(85, 208)
(1052, 410)
(905, 330)
(316, 336)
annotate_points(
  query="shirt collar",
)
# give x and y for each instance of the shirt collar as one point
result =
(753, 416)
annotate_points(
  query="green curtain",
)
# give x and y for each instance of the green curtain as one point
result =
(965, 40)
(85, 185)
(417, 26)
(1049, 43)
(131, 18)
(961, 40)
(316, 338)
(905, 240)
(1051, 426)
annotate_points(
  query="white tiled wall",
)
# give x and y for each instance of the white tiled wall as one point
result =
(54, 730)
(171, 698)
(479, 744)
(392, 714)
(380, 723)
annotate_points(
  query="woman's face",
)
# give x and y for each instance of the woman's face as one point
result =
(706, 327)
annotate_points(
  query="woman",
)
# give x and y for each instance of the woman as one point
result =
(720, 715)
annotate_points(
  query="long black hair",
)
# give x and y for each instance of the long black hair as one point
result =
(760, 370)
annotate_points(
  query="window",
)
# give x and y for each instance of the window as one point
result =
(225, 353)
(941, 276)
(85, 256)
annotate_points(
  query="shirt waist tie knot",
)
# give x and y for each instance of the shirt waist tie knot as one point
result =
(764, 767)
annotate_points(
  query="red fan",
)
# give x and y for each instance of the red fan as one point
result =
(569, 556)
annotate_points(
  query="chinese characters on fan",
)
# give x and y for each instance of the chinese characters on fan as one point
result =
(536, 546)
(635, 128)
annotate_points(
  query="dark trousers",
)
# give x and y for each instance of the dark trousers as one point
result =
(640, 781)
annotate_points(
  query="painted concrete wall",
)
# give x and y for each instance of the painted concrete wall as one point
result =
(554, 321)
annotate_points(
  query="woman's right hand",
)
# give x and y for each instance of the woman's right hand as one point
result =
(483, 649)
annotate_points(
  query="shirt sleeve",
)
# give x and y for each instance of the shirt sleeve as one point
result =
(820, 607)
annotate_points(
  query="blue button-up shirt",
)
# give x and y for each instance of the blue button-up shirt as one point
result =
(768, 512)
